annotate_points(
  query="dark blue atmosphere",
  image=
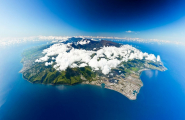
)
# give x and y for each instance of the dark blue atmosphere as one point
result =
(117, 15)
(161, 98)
(147, 19)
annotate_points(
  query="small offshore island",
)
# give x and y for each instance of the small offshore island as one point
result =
(76, 60)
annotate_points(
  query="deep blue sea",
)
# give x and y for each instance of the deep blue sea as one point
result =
(161, 98)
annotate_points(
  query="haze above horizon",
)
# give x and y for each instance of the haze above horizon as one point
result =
(154, 19)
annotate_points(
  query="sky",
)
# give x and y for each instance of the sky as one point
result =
(147, 19)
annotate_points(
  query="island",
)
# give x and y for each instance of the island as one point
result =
(84, 61)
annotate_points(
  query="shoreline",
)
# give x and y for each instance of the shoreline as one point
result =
(126, 95)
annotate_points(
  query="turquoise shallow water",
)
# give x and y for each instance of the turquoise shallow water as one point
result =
(162, 96)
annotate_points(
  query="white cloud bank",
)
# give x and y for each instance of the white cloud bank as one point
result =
(11, 41)
(67, 56)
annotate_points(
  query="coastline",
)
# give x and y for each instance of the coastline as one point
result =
(99, 85)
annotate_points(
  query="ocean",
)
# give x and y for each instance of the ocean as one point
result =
(161, 98)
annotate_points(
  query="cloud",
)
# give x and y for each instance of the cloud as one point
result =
(83, 42)
(48, 63)
(129, 31)
(105, 58)
(42, 59)
(11, 41)
(83, 65)
(158, 58)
